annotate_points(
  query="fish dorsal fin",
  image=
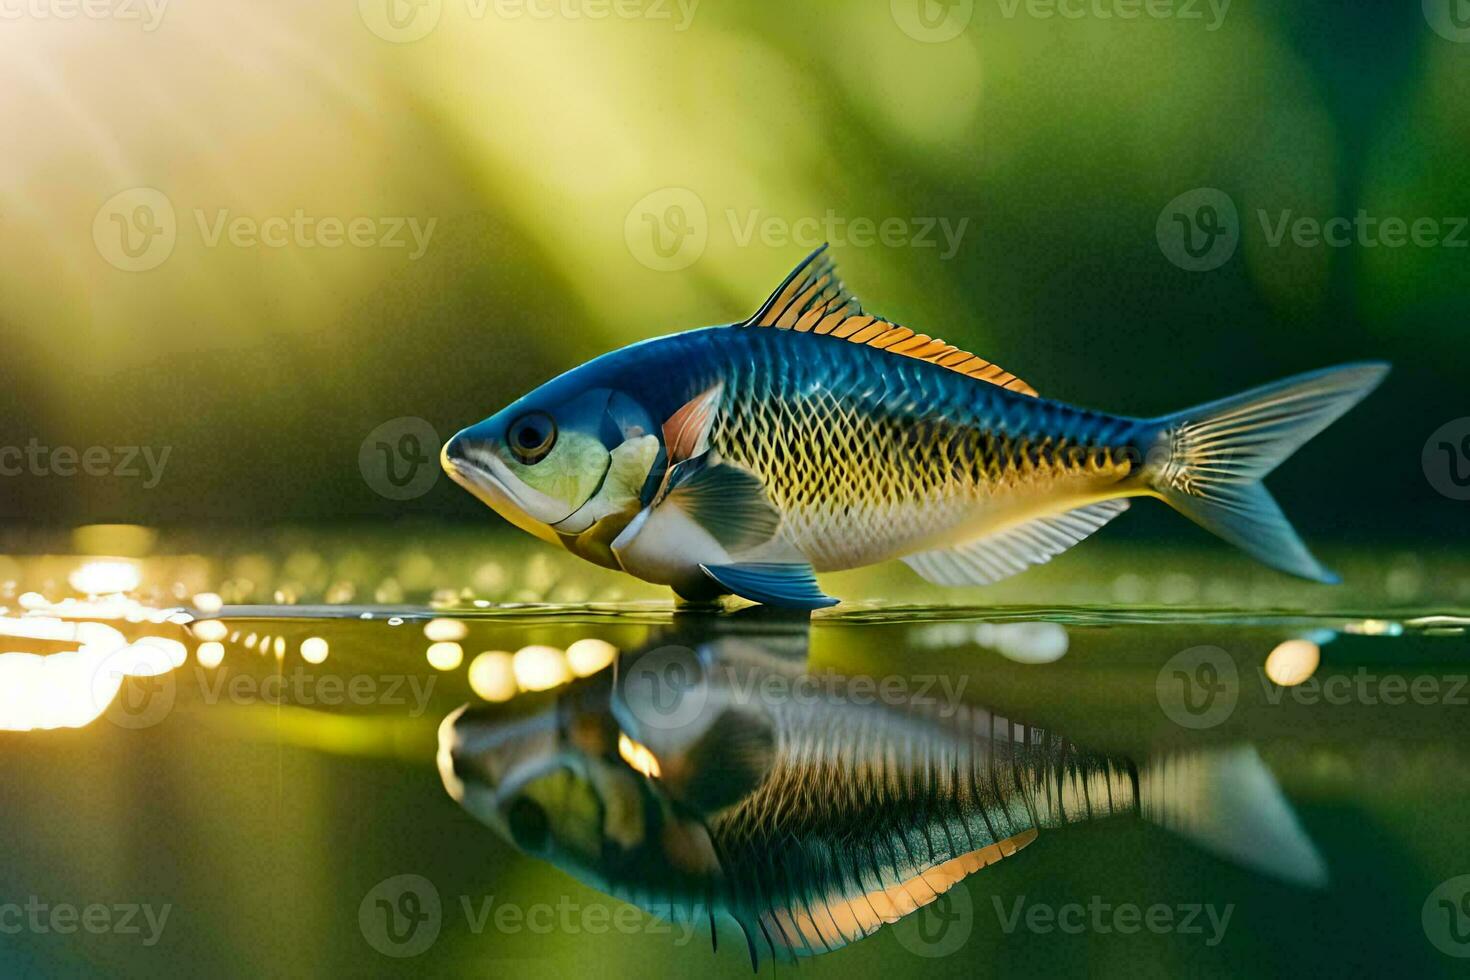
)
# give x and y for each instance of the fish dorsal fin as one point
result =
(812, 299)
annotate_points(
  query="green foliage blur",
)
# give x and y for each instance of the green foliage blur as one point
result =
(567, 166)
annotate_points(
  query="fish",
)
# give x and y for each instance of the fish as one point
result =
(714, 778)
(812, 437)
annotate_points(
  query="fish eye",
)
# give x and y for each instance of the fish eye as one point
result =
(529, 827)
(531, 437)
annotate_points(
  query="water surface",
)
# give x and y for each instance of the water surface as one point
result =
(271, 779)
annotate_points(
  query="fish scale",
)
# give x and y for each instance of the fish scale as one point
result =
(858, 804)
(862, 459)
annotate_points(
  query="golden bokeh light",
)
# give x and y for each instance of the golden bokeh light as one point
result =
(210, 654)
(1292, 662)
(445, 655)
(492, 676)
(105, 576)
(314, 649)
(445, 629)
(588, 656)
(540, 668)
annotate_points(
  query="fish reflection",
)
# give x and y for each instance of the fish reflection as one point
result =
(709, 774)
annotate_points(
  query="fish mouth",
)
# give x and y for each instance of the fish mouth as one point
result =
(473, 465)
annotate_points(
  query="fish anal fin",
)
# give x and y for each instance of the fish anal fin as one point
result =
(791, 585)
(1013, 550)
(842, 920)
(813, 299)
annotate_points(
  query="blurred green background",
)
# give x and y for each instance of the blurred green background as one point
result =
(592, 181)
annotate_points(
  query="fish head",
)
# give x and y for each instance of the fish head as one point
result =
(556, 460)
(568, 786)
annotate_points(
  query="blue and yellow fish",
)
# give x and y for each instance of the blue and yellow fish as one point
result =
(815, 437)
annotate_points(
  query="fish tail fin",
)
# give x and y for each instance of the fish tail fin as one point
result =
(1207, 462)
(1227, 802)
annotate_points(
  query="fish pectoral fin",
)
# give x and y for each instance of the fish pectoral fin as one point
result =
(789, 584)
(728, 501)
(817, 926)
(686, 433)
(1001, 555)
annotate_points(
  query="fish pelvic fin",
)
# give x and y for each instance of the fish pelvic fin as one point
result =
(1227, 802)
(1207, 462)
(790, 585)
